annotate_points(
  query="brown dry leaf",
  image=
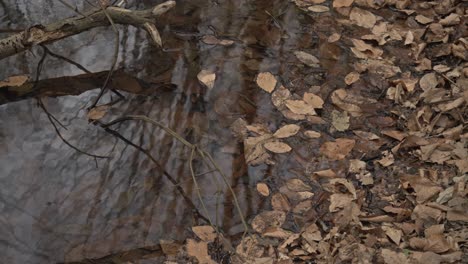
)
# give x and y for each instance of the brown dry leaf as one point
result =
(268, 219)
(213, 40)
(351, 78)
(339, 149)
(308, 59)
(392, 257)
(450, 20)
(210, 40)
(266, 81)
(324, 174)
(279, 97)
(454, 215)
(297, 185)
(363, 50)
(207, 78)
(409, 38)
(254, 151)
(356, 166)
(423, 19)
(346, 184)
(263, 189)
(318, 8)
(426, 213)
(300, 107)
(313, 100)
(339, 98)
(365, 135)
(334, 38)
(398, 135)
(339, 201)
(205, 233)
(393, 233)
(381, 67)
(280, 202)
(277, 147)
(362, 18)
(277, 232)
(428, 81)
(287, 131)
(424, 188)
(342, 3)
(199, 250)
(340, 120)
(444, 107)
(312, 134)
(387, 159)
(169, 247)
(14, 81)
(98, 112)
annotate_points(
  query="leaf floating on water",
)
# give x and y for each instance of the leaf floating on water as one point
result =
(98, 112)
(340, 120)
(279, 96)
(307, 59)
(213, 40)
(14, 81)
(263, 189)
(297, 185)
(312, 134)
(277, 147)
(287, 131)
(266, 81)
(319, 8)
(351, 78)
(313, 100)
(300, 107)
(207, 78)
(205, 233)
(339, 149)
(342, 3)
(334, 38)
(339, 97)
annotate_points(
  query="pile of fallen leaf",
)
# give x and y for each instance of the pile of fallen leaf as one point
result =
(400, 195)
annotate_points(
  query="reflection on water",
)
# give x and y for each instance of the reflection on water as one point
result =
(58, 205)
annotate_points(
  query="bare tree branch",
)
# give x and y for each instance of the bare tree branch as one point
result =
(44, 34)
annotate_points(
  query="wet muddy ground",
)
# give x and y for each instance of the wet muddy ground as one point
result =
(58, 205)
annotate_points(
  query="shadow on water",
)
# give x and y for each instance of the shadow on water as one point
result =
(58, 205)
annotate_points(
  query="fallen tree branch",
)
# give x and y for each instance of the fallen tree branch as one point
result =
(44, 34)
(75, 85)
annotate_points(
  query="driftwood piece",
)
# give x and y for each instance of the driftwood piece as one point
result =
(44, 34)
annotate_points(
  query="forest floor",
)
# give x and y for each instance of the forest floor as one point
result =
(391, 186)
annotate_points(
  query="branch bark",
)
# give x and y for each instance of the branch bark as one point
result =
(45, 34)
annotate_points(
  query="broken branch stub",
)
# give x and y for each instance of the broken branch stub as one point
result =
(44, 34)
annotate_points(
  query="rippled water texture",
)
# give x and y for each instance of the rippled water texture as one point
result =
(58, 205)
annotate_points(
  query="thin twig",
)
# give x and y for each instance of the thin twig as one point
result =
(168, 176)
(79, 66)
(114, 60)
(51, 119)
(193, 148)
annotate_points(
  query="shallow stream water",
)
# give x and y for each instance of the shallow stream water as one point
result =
(58, 205)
